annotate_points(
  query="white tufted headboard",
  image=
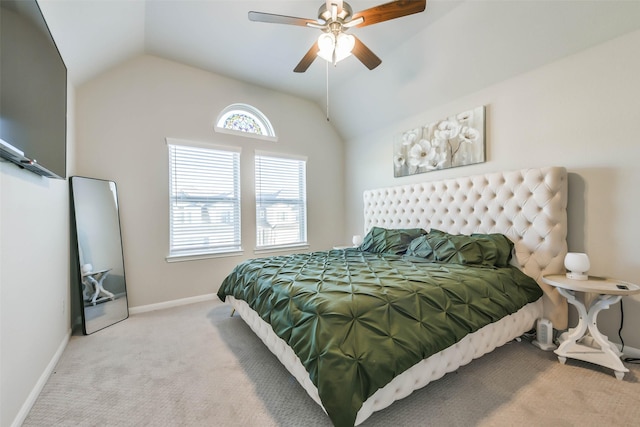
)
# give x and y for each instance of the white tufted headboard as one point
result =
(529, 206)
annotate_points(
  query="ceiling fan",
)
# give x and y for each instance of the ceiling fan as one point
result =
(335, 17)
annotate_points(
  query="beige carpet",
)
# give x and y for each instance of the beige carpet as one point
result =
(196, 366)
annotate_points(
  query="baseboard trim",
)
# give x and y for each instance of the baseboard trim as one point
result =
(35, 392)
(169, 304)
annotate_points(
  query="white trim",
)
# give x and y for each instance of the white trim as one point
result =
(202, 144)
(218, 129)
(169, 304)
(280, 155)
(195, 257)
(282, 248)
(42, 381)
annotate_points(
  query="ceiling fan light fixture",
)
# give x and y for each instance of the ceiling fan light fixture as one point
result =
(344, 45)
(334, 49)
(326, 44)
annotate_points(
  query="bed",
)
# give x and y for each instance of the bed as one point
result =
(360, 328)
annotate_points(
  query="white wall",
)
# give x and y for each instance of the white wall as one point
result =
(34, 281)
(123, 119)
(580, 112)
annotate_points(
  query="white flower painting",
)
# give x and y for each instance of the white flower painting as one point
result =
(455, 141)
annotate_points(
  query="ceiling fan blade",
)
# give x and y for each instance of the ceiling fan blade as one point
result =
(279, 19)
(307, 59)
(365, 55)
(391, 10)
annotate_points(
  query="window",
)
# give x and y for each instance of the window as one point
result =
(204, 200)
(281, 201)
(246, 120)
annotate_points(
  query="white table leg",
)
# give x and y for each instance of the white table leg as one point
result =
(590, 346)
(578, 332)
(99, 289)
(602, 303)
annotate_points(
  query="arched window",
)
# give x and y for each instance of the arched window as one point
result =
(246, 120)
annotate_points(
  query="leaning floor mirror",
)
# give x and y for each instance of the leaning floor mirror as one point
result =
(100, 263)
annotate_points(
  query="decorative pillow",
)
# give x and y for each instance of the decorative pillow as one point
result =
(394, 241)
(420, 247)
(476, 249)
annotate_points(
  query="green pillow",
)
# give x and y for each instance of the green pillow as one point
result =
(420, 247)
(476, 249)
(393, 241)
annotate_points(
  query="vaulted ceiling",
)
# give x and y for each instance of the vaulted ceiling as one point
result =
(453, 48)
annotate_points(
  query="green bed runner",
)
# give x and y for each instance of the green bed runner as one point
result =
(357, 319)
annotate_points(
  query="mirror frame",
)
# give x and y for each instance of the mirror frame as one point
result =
(76, 261)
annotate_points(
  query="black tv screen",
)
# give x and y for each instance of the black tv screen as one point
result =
(33, 91)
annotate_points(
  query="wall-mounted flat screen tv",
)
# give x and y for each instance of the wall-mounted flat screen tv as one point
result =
(33, 91)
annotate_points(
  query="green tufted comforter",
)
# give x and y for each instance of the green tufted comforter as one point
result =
(357, 319)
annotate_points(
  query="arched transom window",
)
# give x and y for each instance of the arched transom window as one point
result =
(245, 119)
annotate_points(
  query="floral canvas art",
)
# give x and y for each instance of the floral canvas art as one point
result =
(455, 141)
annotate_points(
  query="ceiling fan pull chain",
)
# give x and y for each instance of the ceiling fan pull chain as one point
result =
(327, 80)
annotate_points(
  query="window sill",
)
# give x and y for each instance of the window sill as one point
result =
(246, 134)
(271, 249)
(196, 257)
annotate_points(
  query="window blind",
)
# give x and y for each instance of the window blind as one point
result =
(204, 200)
(281, 201)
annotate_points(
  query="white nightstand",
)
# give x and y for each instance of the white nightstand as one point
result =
(585, 342)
